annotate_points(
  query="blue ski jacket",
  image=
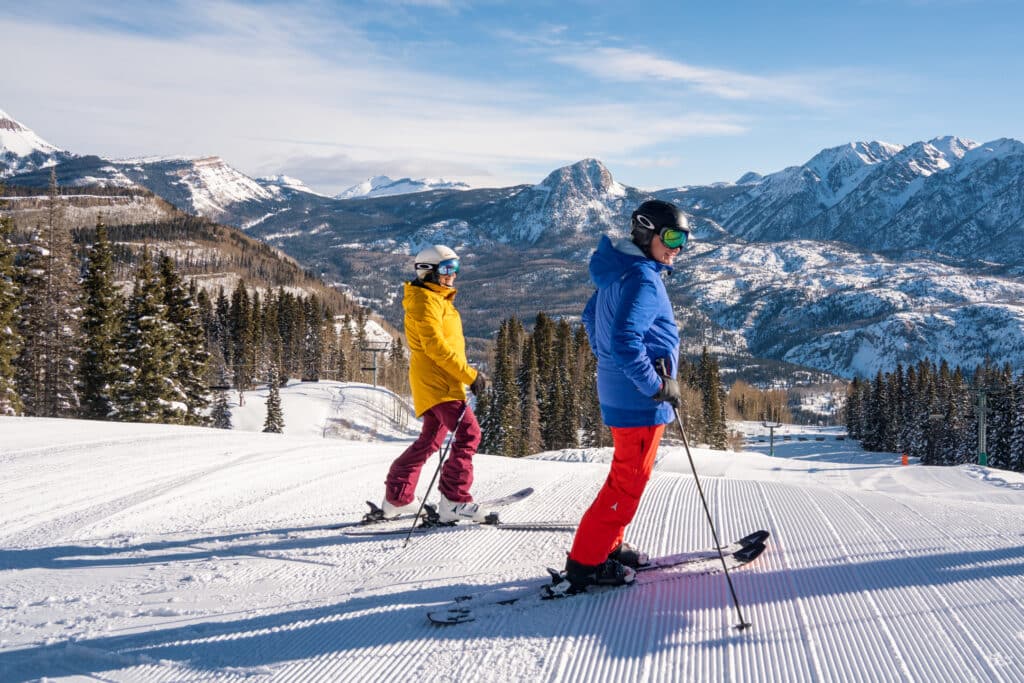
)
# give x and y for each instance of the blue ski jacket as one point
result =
(630, 324)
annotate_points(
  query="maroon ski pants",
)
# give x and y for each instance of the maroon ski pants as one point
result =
(457, 472)
(604, 523)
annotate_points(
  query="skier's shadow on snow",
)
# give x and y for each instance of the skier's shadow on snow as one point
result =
(354, 630)
(221, 546)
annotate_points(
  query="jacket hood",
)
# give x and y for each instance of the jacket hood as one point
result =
(610, 261)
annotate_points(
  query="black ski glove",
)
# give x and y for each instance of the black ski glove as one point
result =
(669, 392)
(479, 385)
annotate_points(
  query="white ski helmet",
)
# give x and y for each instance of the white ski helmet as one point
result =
(428, 260)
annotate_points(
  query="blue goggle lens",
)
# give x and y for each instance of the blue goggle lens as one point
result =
(448, 267)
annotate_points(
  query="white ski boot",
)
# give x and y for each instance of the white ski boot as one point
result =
(450, 511)
(394, 511)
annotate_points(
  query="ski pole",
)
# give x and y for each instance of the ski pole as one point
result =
(444, 453)
(663, 369)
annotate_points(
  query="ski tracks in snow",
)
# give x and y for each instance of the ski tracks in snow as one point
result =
(227, 571)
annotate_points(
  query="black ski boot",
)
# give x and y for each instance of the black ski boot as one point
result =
(630, 556)
(608, 573)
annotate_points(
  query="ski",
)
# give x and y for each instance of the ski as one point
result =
(374, 524)
(455, 527)
(478, 605)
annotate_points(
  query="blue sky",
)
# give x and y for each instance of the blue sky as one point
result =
(499, 93)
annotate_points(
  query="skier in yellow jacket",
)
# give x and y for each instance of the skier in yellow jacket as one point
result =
(438, 375)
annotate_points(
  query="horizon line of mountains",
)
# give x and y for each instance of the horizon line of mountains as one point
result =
(866, 255)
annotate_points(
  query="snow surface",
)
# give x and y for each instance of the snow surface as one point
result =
(148, 552)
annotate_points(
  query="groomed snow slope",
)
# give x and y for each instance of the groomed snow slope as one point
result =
(156, 553)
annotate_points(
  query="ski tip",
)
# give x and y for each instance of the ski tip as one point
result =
(449, 617)
(756, 537)
(749, 552)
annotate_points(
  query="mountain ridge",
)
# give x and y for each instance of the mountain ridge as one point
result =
(826, 250)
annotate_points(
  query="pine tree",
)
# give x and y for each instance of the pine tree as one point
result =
(1017, 433)
(595, 433)
(144, 390)
(220, 416)
(529, 440)
(102, 308)
(312, 346)
(486, 418)
(190, 357)
(853, 409)
(877, 415)
(506, 405)
(543, 340)
(220, 336)
(714, 427)
(50, 317)
(10, 340)
(274, 422)
(243, 350)
(30, 366)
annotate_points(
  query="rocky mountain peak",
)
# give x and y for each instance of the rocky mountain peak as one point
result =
(588, 177)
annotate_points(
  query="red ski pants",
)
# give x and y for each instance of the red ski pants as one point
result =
(457, 471)
(604, 523)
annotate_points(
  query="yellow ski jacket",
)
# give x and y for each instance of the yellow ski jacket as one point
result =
(438, 369)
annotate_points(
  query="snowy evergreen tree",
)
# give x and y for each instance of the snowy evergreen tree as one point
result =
(530, 440)
(714, 426)
(274, 422)
(1017, 434)
(10, 340)
(144, 391)
(220, 416)
(543, 340)
(595, 433)
(506, 406)
(220, 335)
(565, 416)
(853, 409)
(243, 350)
(312, 343)
(102, 308)
(48, 364)
(190, 357)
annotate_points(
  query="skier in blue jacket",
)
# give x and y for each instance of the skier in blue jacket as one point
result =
(631, 326)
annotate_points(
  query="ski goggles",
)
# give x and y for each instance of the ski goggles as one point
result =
(673, 238)
(449, 266)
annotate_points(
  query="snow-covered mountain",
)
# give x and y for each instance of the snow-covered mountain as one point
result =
(948, 195)
(207, 186)
(841, 263)
(383, 186)
(526, 248)
(850, 312)
(286, 186)
(21, 150)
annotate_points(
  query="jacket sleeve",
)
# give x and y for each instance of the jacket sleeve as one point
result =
(437, 347)
(636, 312)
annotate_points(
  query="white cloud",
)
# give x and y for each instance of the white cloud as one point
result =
(271, 88)
(635, 66)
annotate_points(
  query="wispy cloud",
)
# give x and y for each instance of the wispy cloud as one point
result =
(273, 88)
(637, 66)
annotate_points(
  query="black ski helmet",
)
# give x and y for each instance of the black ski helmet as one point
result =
(650, 217)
